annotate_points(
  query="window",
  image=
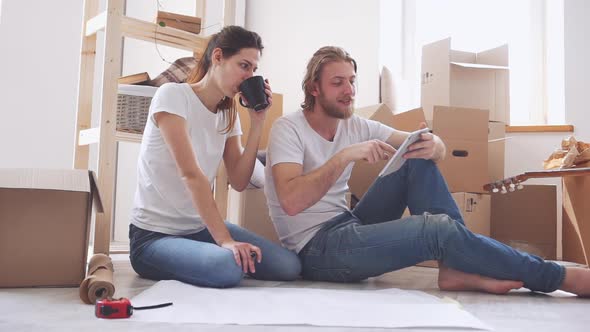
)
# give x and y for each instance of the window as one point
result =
(533, 30)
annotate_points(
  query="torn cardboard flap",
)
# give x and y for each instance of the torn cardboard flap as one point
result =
(477, 65)
(458, 123)
(96, 199)
(52, 179)
(466, 79)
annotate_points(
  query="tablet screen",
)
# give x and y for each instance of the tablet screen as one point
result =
(398, 160)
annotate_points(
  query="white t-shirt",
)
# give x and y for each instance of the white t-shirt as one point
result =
(292, 140)
(162, 202)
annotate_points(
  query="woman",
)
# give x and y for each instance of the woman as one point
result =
(176, 231)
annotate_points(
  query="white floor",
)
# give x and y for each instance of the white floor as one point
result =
(60, 309)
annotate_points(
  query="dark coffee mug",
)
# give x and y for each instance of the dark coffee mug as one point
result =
(253, 90)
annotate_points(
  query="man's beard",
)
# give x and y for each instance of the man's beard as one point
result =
(331, 109)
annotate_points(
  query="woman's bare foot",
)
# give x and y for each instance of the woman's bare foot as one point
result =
(453, 280)
(577, 281)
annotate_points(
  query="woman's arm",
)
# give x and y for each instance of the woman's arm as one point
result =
(240, 164)
(175, 134)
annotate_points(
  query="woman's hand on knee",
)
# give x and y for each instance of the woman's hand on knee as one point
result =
(244, 254)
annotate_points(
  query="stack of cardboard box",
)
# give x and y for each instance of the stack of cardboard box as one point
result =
(474, 204)
(465, 100)
(467, 95)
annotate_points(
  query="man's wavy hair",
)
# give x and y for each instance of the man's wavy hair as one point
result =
(321, 57)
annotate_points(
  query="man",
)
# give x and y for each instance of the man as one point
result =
(310, 157)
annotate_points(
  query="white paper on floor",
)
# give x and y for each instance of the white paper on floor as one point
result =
(390, 308)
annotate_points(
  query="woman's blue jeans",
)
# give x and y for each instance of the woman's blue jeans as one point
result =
(372, 239)
(196, 258)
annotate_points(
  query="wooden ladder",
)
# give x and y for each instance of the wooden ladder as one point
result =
(116, 26)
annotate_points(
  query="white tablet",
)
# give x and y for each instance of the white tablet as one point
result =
(397, 161)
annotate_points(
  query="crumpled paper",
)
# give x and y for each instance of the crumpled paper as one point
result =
(99, 282)
(571, 154)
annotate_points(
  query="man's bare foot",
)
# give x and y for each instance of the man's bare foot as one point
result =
(453, 280)
(577, 281)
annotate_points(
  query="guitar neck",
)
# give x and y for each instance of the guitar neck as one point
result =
(493, 187)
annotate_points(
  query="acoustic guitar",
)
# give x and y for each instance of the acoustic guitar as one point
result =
(515, 182)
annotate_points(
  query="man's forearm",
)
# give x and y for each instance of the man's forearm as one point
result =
(304, 191)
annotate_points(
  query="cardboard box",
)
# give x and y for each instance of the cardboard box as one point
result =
(363, 174)
(527, 219)
(466, 79)
(475, 148)
(44, 226)
(410, 120)
(275, 112)
(576, 219)
(249, 210)
(496, 150)
(476, 210)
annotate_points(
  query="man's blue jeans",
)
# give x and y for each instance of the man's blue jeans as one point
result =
(372, 239)
(197, 260)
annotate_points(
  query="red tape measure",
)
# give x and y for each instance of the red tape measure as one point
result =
(120, 308)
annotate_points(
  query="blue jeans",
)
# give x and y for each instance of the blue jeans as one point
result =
(372, 239)
(196, 258)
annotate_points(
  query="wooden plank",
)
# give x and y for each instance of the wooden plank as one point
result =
(107, 148)
(96, 24)
(187, 23)
(192, 28)
(92, 135)
(540, 129)
(162, 39)
(184, 38)
(122, 136)
(139, 29)
(85, 86)
(89, 136)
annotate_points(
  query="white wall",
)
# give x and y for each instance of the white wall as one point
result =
(577, 66)
(39, 60)
(292, 31)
